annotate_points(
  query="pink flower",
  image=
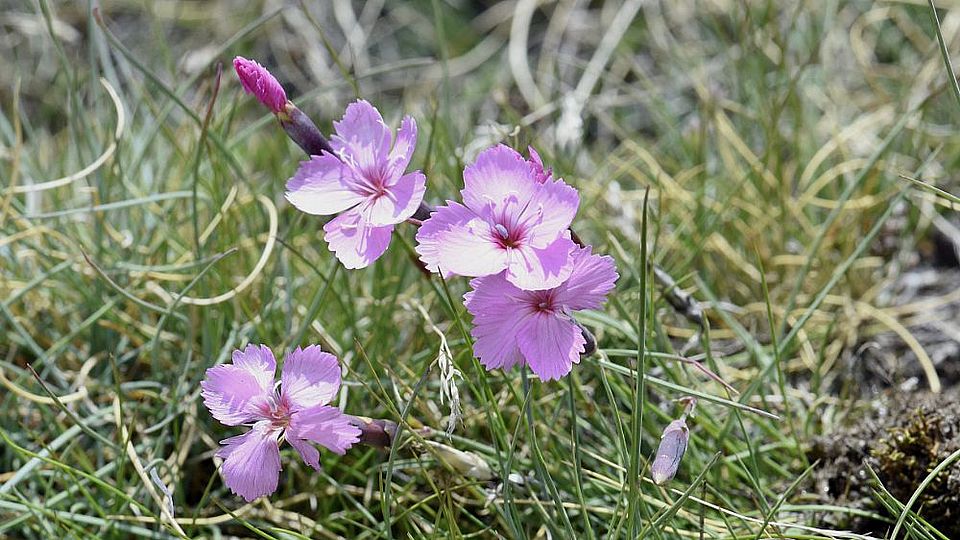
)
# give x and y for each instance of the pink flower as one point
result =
(365, 181)
(258, 81)
(513, 218)
(512, 326)
(244, 392)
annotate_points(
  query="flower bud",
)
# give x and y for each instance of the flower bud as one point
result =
(258, 81)
(673, 443)
(423, 212)
(301, 129)
(375, 432)
(590, 345)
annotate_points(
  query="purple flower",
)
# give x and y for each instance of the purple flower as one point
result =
(258, 81)
(513, 218)
(673, 444)
(512, 326)
(365, 181)
(245, 392)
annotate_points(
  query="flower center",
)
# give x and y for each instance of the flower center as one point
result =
(542, 302)
(372, 179)
(505, 237)
(277, 412)
(376, 186)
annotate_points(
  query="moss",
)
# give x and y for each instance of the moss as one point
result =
(902, 442)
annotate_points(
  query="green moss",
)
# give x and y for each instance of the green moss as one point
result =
(902, 444)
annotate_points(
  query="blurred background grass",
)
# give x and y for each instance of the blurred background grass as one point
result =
(771, 137)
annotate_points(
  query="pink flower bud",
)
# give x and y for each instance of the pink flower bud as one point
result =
(673, 443)
(258, 81)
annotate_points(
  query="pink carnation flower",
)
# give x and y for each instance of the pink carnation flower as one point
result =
(258, 81)
(513, 327)
(514, 217)
(364, 182)
(244, 392)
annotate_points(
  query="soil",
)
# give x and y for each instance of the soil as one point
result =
(897, 427)
(902, 442)
(885, 362)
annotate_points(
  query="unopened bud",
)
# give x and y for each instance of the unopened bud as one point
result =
(301, 129)
(590, 346)
(423, 212)
(258, 81)
(375, 432)
(673, 443)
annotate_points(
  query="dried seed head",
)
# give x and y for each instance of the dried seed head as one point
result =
(466, 463)
(689, 405)
(673, 443)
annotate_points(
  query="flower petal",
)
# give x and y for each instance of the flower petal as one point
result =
(400, 201)
(591, 279)
(232, 392)
(308, 452)
(498, 315)
(355, 242)
(549, 212)
(403, 147)
(455, 241)
(259, 360)
(232, 395)
(551, 344)
(323, 185)
(323, 425)
(251, 462)
(310, 377)
(534, 269)
(362, 137)
(498, 176)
